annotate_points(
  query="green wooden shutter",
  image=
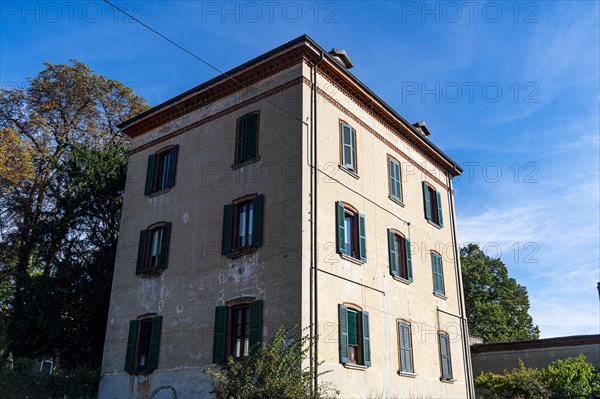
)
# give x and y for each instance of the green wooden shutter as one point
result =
(408, 259)
(227, 238)
(426, 201)
(150, 175)
(347, 147)
(366, 339)
(392, 252)
(352, 327)
(220, 334)
(343, 333)
(353, 141)
(445, 356)
(131, 344)
(164, 246)
(256, 323)
(395, 190)
(172, 166)
(341, 235)
(405, 348)
(154, 342)
(362, 237)
(241, 138)
(439, 209)
(438, 279)
(141, 258)
(257, 221)
(398, 181)
(250, 136)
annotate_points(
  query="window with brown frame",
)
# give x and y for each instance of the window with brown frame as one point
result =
(162, 166)
(238, 329)
(351, 233)
(242, 225)
(400, 258)
(432, 202)
(153, 248)
(143, 344)
(354, 336)
(247, 137)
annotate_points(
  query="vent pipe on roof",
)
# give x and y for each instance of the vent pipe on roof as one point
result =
(422, 127)
(341, 57)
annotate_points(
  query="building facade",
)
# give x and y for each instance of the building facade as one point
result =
(284, 193)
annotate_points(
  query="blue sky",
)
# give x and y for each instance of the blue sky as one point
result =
(510, 90)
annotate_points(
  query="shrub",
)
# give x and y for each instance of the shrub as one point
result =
(521, 383)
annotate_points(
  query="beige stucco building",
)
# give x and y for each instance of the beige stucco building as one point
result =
(261, 199)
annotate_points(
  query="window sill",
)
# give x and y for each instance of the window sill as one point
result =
(157, 193)
(407, 374)
(402, 280)
(352, 366)
(241, 252)
(396, 200)
(140, 372)
(447, 380)
(151, 273)
(349, 171)
(248, 162)
(437, 226)
(441, 296)
(352, 259)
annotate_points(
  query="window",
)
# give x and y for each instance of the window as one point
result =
(143, 343)
(247, 137)
(153, 249)
(445, 359)
(400, 258)
(394, 183)
(438, 274)
(160, 174)
(351, 234)
(348, 147)
(405, 343)
(242, 225)
(354, 339)
(238, 329)
(433, 205)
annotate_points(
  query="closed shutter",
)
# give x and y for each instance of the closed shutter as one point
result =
(347, 147)
(438, 279)
(241, 138)
(439, 209)
(408, 259)
(392, 252)
(341, 235)
(141, 258)
(366, 339)
(343, 333)
(164, 246)
(172, 166)
(426, 201)
(362, 237)
(395, 190)
(131, 344)
(154, 342)
(220, 334)
(227, 238)
(405, 348)
(257, 221)
(256, 324)
(250, 130)
(445, 356)
(150, 175)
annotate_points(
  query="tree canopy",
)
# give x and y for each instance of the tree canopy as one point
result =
(62, 174)
(497, 306)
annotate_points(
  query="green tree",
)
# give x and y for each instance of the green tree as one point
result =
(60, 208)
(497, 306)
(272, 371)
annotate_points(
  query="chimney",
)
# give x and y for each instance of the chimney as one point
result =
(341, 57)
(422, 127)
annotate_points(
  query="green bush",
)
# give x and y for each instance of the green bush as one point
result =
(23, 380)
(572, 378)
(273, 371)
